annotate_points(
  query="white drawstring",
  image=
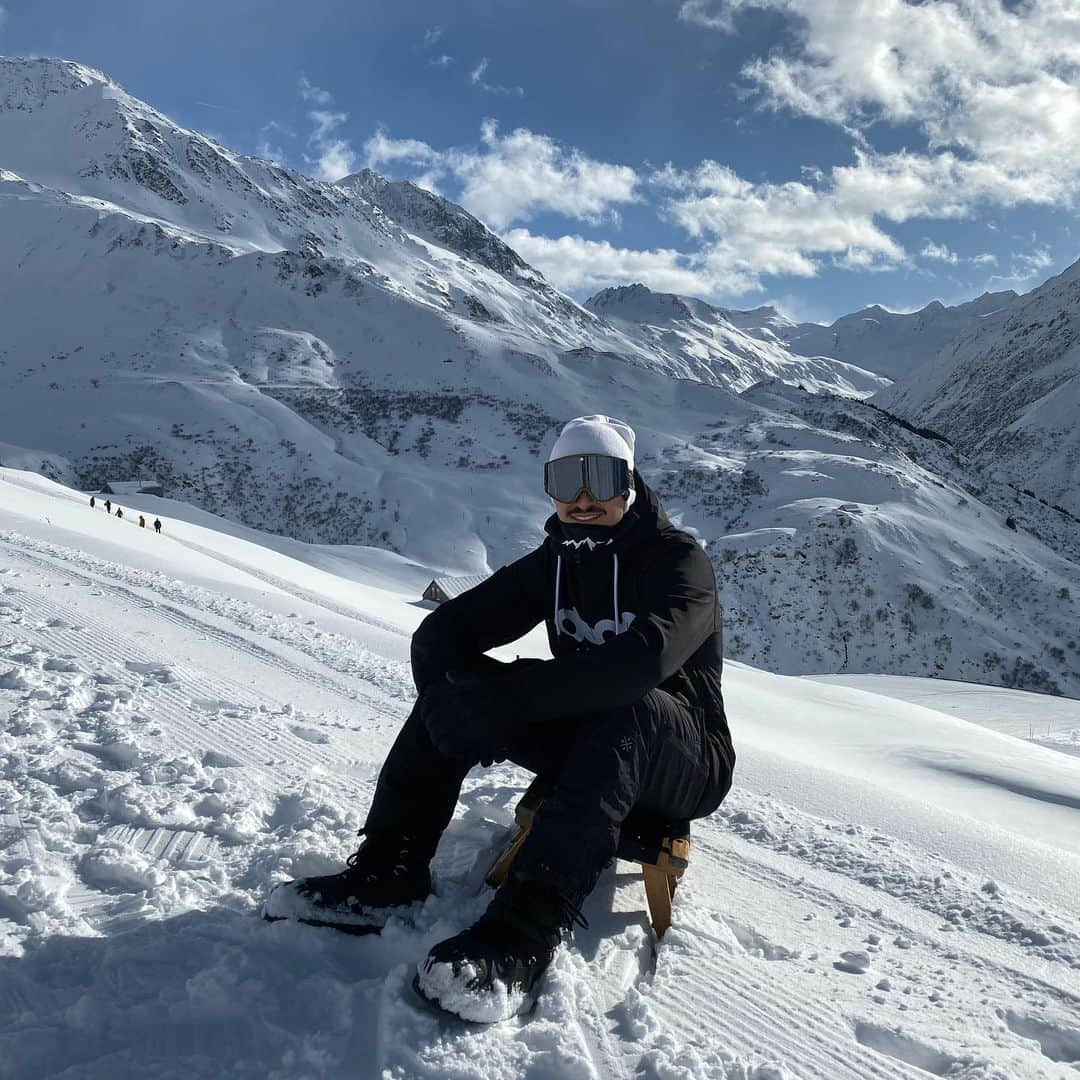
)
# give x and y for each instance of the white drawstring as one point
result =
(615, 594)
(558, 574)
(615, 554)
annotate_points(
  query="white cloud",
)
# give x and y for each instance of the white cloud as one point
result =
(441, 61)
(380, 149)
(1035, 262)
(995, 83)
(577, 265)
(336, 157)
(1024, 267)
(313, 94)
(476, 77)
(333, 156)
(757, 229)
(325, 123)
(745, 231)
(708, 13)
(942, 253)
(432, 35)
(800, 310)
(512, 178)
(839, 217)
(939, 252)
(269, 145)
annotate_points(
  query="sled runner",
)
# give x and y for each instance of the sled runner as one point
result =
(661, 848)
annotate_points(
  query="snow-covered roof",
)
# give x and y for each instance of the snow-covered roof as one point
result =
(131, 487)
(455, 586)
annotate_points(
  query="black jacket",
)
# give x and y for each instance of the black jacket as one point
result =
(651, 577)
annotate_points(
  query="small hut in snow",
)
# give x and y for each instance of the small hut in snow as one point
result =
(446, 588)
(147, 486)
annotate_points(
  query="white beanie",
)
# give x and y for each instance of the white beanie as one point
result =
(597, 435)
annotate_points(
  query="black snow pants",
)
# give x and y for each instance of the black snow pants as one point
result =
(657, 755)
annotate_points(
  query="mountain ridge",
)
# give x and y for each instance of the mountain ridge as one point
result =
(885, 342)
(1008, 392)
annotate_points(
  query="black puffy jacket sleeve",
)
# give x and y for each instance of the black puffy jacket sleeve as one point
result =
(679, 615)
(501, 609)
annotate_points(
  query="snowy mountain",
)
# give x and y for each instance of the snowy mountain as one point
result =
(1008, 392)
(846, 541)
(187, 719)
(364, 363)
(708, 337)
(891, 343)
(441, 222)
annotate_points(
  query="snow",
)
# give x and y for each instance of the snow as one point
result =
(451, 990)
(1012, 712)
(188, 719)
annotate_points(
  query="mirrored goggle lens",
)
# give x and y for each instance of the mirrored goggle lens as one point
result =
(603, 477)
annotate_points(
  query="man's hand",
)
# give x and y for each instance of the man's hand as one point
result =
(468, 719)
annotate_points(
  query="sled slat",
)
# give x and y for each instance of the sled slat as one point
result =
(662, 858)
(497, 874)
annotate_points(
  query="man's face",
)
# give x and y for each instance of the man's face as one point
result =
(585, 510)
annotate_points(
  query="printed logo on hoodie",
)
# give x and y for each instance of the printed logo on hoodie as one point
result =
(573, 625)
(588, 542)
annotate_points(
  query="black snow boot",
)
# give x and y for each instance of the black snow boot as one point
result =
(387, 874)
(488, 972)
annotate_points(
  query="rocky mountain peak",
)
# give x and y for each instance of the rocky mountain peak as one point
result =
(27, 84)
(439, 220)
(638, 303)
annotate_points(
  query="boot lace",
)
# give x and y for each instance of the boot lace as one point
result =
(354, 858)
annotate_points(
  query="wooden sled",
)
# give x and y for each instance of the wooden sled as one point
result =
(660, 848)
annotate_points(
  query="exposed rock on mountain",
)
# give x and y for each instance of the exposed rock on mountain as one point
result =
(440, 221)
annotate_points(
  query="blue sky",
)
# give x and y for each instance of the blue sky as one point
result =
(817, 154)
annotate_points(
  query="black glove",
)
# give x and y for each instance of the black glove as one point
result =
(471, 718)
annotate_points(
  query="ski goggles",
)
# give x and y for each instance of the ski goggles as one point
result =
(603, 477)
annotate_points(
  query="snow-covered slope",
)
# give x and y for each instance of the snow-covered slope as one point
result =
(185, 719)
(1008, 392)
(892, 343)
(710, 338)
(846, 542)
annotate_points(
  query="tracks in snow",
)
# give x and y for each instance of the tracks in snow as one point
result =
(195, 609)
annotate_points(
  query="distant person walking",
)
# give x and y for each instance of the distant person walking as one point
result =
(108, 506)
(119, 512)
(157, 525)
(142, 522)
(93, 502)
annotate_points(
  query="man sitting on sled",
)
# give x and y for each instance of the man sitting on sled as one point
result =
(628, 714)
